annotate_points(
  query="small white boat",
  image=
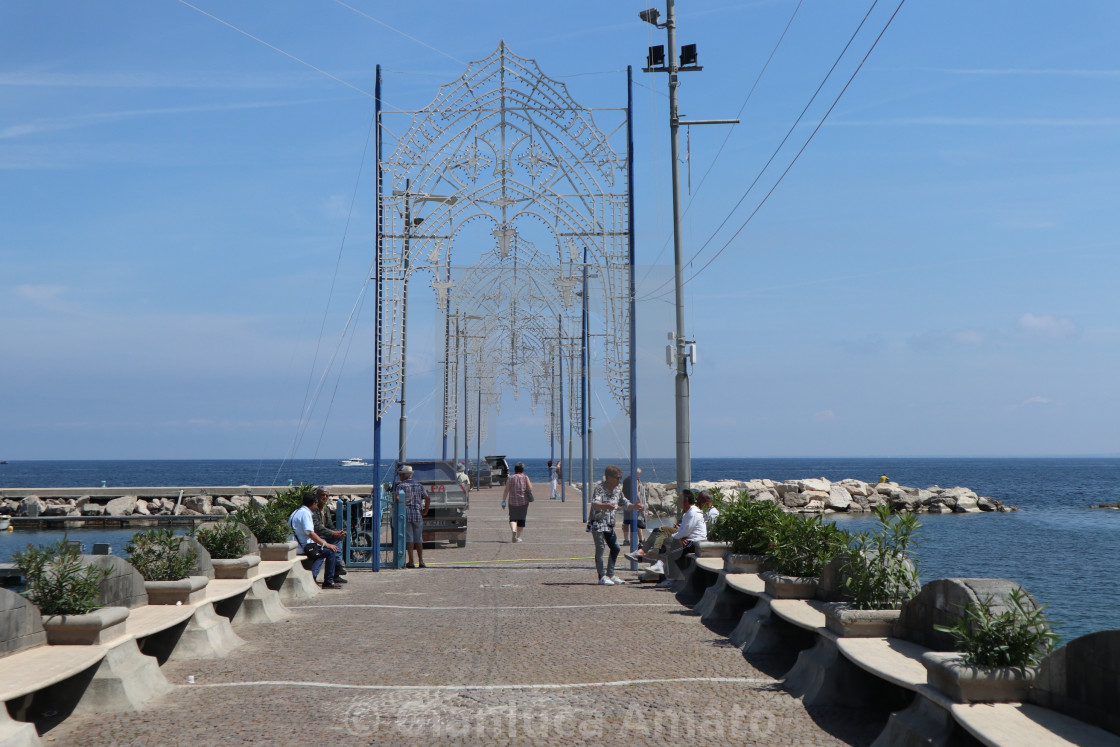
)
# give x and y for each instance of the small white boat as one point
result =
(5, 523)
(353, 462)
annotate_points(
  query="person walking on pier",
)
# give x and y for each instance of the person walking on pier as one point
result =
(554, 480)
(517, 494)
(605, 501)
(416, 505)
(629, 492)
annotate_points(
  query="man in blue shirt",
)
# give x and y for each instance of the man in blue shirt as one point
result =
(416, 502)
(303, 531)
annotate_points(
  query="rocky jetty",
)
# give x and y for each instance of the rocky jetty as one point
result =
(131, 505)
(818, 495)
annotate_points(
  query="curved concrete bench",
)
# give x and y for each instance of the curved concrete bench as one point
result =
(1022, 723)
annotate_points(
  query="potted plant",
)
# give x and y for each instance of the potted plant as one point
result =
(748, 525)
(225, 541)
(166, 567)
(878, 575)
(68, 594)
(998, 652)
(269, 523)
(799, 547)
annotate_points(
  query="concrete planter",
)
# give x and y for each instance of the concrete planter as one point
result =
(186, 591)
(90, 629)
(735, 563)
(244, 567)
(279, 550)
(712, 549)
(789, 587)
(965, 683)
(848, 622)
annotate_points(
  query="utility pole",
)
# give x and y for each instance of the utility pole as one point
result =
(683, 350)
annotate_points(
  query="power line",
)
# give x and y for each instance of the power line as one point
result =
(805, 145)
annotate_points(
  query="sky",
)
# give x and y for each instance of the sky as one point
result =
(927, 266)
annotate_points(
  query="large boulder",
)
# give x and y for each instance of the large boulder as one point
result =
(814, 483)
(31, 506)
(839, 499)
(200, 503)
(123, 506)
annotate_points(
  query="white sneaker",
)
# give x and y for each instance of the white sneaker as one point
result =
(617, 581)
(516, 538)
(604, 581)
(657, 567)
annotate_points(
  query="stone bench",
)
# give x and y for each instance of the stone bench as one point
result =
(1023, 723)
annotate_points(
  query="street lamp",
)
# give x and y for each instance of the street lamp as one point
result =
(409, 222)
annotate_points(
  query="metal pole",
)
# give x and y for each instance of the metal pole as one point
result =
(455, 381)
(684, 456)
(404, 319)
(466, 428)
(446, 363)
(478, 439)
(634, 495)
(375, 528)
(583, 388)
(560, 337)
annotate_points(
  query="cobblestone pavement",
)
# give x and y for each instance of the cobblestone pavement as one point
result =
(495, 643)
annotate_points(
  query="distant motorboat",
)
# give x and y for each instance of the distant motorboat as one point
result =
(5, 523)
(353, 462)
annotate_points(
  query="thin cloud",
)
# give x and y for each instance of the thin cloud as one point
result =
(1030, 402)
(1049, 72)
(88, 120)
(824, 415)
(175, 80)
(1047, 327)
(48, 297)
(979, 122)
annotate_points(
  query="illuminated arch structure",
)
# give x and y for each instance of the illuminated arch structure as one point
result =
(503, 190)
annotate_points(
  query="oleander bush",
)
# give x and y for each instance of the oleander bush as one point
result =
(269, 523)
(748, 524)
(879, 571)
(58, 583)
(802, 545)
(1019, 637)
(224, 540)
(156, 555)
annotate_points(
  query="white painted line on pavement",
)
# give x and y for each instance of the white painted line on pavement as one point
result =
(547, 686)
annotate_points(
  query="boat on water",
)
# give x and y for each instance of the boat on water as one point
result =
(353, 462)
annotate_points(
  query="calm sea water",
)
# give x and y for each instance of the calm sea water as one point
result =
(1057, 547)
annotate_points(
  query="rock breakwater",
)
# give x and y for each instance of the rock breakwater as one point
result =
(818, 495)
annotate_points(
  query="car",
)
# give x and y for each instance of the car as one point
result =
(480, 474)
(499, 469)
(446, 520)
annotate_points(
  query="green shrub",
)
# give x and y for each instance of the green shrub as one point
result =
(1019, 637)
(803, 545)
(270, 523)
(880, 572)
(224, 539)
(748, 524)
(57, 581)
(156, 555)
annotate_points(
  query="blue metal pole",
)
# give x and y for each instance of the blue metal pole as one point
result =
(634, 495)
(560, 337)
(375, 528)
(583, 393)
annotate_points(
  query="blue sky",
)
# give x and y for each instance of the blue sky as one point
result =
(186, 218)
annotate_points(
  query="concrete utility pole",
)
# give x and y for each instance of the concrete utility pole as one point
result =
(683, 349)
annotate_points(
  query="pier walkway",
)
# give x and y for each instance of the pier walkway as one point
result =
(496, 643)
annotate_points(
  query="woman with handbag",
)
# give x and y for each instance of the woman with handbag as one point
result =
(518, 495)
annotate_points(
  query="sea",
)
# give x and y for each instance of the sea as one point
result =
(1064, 552)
